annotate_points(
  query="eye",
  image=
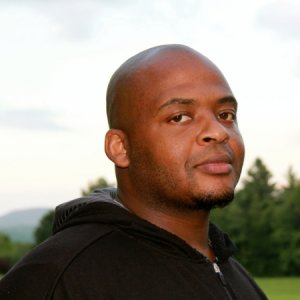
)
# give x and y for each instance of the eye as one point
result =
(180, 118)
(227, 116)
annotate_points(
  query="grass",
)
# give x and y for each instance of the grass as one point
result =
(285, 288)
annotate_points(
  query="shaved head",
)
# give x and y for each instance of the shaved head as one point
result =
(172, 119)
(131, 80)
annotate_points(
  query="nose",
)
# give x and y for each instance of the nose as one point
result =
(212, 131)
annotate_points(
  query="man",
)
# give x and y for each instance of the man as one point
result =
(178, 153)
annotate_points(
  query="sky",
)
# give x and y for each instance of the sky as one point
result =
(57, 56)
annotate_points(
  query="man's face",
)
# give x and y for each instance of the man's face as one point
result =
(184, 142)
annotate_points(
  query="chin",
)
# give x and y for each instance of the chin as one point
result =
(213, 196)
(210, 201)
(196, 202)
(216, 187)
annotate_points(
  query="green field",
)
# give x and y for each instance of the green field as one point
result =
(286, 288)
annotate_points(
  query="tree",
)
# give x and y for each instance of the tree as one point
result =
(247, 220)
(286, 226)
(99, 183)
(10, 252)
(44, 229)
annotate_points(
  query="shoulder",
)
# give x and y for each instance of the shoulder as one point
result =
(35, 276)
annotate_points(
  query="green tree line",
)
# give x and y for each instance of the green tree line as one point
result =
(10, 252)
(263, 221)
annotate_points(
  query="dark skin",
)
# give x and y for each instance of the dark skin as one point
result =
(174, 140)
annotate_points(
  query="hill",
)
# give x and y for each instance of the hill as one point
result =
(20, 224)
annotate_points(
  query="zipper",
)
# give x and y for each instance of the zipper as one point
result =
(222, 280)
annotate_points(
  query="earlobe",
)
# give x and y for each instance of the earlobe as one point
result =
(115, 147)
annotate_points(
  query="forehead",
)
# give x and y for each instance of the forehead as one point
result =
(178, 75)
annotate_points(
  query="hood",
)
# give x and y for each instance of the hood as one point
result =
(102, 206)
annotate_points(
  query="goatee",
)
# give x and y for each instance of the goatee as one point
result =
(212, 201)
(203, 202)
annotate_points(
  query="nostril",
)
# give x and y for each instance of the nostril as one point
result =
(207, 139)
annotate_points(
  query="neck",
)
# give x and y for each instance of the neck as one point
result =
(192, 227)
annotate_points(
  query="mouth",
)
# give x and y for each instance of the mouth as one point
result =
(220, 164)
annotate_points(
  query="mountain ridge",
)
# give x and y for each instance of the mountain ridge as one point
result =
(20, 224)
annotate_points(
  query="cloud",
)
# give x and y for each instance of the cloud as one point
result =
(282, 17)
(74, 18)
(84, 19)
(69, 19)
(65, 18)
(29, 119)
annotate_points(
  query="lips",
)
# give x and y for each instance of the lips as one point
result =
(220, 164)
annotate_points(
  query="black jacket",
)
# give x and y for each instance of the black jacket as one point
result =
(99, 250)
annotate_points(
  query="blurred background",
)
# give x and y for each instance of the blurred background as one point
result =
(56, 58)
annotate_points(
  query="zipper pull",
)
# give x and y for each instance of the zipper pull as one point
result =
(219, 273)
(222, 279)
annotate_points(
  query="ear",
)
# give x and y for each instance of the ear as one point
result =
(116, 147)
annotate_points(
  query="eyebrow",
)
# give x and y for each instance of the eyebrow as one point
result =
(176, 101)
(188, 101)
(229, 100)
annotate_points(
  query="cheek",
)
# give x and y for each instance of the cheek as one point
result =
(237, 145)
(157, 147)
(172, 152)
